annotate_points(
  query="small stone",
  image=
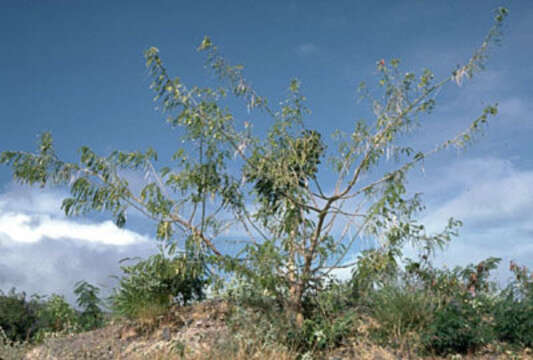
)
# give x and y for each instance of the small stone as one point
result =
(165, 334)
(128, 334)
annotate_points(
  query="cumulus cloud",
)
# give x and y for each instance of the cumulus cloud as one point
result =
(54, 266)
(43, 251)
(29, 216)
(23, 228)
(494, 199)
(33, 200)
(483, 192)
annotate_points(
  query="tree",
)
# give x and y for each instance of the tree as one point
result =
(270, 185)
(87, 299)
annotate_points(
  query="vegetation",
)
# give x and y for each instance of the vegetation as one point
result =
(91, 316)
(418, 311)
(268, 187)
(17, 315)
(514, 310)
(34, 319)
(150, 287)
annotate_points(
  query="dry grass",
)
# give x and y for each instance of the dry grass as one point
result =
(238, 351)
(10, 350)
(199, 332)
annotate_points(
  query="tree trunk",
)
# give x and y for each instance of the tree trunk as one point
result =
(295, 305)
(296, 287)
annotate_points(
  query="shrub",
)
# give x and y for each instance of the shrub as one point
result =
(17, 315)
(149, 287)
(462, 318)
(24, 320)
(375, 268)
(55, 315)
(514, 321)
(460, 326)
(401, 313)
(330, 316)
(91, 316)
(514, 312)
(260, 318)
(424, 308)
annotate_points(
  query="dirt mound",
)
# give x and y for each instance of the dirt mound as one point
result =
(200, 332)
(184, 331)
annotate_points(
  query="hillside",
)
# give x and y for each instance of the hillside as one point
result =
(205, 331)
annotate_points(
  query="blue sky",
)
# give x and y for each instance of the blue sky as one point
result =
(76, 68)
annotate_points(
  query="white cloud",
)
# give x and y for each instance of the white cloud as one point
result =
(18, 198)
(43, 251)
(494, 199)
(28, 216)
(23, 228)
(486, 191)
(54, 266)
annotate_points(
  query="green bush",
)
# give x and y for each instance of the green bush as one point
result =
(91, 316)
(514, 312)
(460, 326)
(260, 318)
(374, 269)
(464, 297)
(514, 321)
(34, 319)
(329, 316)
(18, 316)
(149, 287)
(323, 332)
(55, 315)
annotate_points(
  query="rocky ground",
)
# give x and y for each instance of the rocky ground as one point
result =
(192, 333)
(184, 333)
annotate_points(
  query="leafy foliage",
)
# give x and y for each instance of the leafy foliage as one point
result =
(514, 321)
(33, 319)
(17, 316)
(267, 187)
(514, 311)
(91, 316)
(149, 287)
(330, 316)
(449, 310)
(54, 316)
(459, 326)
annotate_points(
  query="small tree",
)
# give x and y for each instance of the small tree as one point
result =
(87, 299)
(269, 186)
